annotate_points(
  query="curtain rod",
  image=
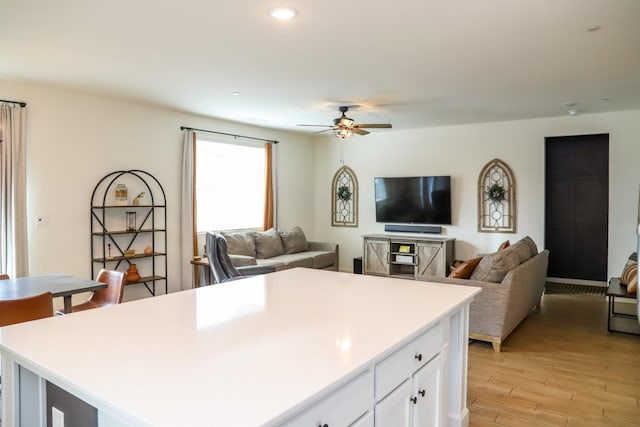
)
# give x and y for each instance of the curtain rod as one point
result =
(229, 134)
(22, 104)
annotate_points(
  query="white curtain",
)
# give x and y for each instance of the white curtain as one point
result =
(188, 242)
(13, 191)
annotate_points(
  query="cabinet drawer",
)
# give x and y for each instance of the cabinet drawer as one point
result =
(404, 362)
(342, 407)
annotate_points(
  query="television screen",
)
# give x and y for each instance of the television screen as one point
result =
(418, 200)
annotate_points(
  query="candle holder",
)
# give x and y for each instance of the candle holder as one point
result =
(131, 221)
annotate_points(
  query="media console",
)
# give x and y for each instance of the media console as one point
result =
(408, 257)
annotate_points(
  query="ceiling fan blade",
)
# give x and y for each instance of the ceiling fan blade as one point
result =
(359, 131)
(322, 126)
(323, 130)
(374, 125)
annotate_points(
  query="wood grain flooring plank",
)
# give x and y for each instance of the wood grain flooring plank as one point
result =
(560, 367)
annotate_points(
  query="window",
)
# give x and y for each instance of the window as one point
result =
(230, 185)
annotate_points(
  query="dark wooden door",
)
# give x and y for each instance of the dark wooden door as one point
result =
(577, 206)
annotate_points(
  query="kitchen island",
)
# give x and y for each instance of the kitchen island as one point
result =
(295, 347)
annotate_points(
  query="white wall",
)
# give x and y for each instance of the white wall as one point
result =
(462, 151)
(74, 139)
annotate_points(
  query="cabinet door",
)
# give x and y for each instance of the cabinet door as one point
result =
(364, 421)
(376, 257)
(431, 260)
(396, 409)
(427, 388)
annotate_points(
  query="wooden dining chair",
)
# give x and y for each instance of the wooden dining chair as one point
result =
(25, 309)
(110, 295)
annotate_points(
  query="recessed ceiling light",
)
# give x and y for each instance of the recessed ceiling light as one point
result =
(593, 28)
(236, 93)
(574, 112)
(283, 13)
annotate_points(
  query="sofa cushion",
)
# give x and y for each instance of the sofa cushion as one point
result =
(301, 259)
(240, 243)
(294, 241)
(242, 260)
(272, 262)
(532, 245)
(465, 269)
(268, 244)
(322, 259)
(493, 267)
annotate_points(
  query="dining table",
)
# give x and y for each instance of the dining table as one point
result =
(60, 285)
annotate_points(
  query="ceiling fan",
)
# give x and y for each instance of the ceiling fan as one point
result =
(345, 127)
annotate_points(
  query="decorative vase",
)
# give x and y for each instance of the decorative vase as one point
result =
(136, 202)
(148, 250)
(132, 274)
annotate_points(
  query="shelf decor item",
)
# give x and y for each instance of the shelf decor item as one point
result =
(121, 195)
(496, 198)
(136, 200)
(131, 221)
(132, 274)
(344, 200)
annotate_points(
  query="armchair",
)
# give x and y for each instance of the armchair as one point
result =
(220, 263)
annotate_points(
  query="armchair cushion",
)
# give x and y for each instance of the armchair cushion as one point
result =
(268, 244)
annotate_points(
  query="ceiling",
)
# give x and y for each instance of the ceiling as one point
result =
(415, 64)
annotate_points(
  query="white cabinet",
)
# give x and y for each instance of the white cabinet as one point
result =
(417, 402)
(414, 257)
(409, 383)
(346, 406)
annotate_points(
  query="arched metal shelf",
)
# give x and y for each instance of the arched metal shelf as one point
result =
(110, 240)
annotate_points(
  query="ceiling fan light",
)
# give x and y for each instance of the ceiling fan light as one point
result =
(342, 132)
(346, 122)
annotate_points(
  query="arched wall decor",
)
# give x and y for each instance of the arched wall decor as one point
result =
(344, 198)
(496, 198)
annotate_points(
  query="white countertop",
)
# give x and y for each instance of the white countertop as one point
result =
(241, 353)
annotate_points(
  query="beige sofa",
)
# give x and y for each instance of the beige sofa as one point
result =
(502, 305)
(280, 249)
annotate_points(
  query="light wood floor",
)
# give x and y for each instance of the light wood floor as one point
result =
(560, 367)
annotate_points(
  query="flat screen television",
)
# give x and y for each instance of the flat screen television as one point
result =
(414, 200)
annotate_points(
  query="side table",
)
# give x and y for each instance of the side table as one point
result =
(620, 321)
(201, 263)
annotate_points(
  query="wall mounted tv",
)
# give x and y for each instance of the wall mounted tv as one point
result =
(416, 200)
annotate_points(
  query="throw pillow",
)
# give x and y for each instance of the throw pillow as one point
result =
(522, 248)
(532, 245)
(504, 245)
(240, 243)
(268, 244)
(493, 267)
(629, 272)
(294, 241)
(464, 269)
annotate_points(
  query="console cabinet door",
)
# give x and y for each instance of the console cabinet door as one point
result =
(376, 257)
(431, 260)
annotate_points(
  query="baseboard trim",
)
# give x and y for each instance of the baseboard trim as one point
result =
(577, 281)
